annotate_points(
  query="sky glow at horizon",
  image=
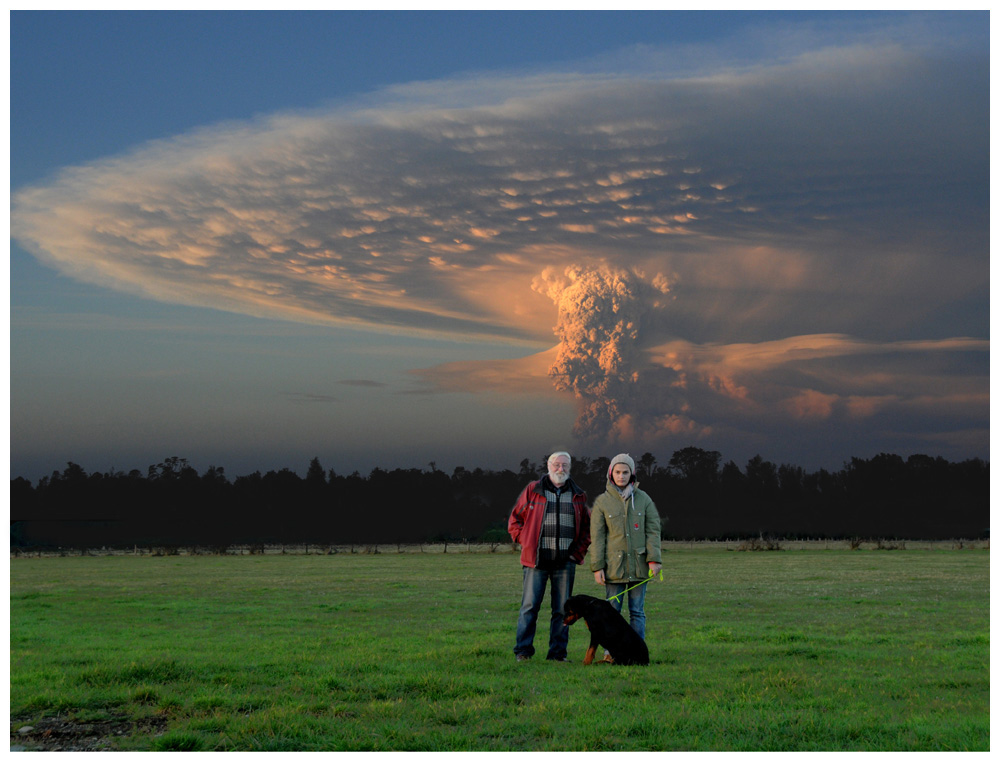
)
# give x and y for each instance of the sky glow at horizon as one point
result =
(774, 240)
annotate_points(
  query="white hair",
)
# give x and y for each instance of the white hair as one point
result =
(560, 453)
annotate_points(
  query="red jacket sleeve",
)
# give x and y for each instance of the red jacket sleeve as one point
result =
(516, 522)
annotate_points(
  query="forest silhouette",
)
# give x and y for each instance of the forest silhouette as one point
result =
(698, 497)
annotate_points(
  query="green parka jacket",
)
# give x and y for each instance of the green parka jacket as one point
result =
(625, 535)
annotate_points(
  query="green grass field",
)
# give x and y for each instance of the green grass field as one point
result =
(792, 650)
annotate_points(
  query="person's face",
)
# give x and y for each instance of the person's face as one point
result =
(559, 470)
(621, 474)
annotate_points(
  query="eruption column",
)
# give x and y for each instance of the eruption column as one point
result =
(600, 318)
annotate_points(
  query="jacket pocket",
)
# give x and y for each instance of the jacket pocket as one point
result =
(641, 567)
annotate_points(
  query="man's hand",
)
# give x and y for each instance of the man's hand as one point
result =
(654, 567)
(599, 577)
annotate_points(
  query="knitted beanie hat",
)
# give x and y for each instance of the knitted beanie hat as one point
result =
(622, 458)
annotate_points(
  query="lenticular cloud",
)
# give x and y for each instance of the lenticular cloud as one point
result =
(411, 218)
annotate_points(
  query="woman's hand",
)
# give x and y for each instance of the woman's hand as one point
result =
(599, 577)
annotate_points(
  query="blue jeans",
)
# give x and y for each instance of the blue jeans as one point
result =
(531, 602)
(636, 604)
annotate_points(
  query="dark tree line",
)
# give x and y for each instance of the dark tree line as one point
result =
(172, 504)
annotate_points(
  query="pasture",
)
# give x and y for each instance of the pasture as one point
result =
(790, 650)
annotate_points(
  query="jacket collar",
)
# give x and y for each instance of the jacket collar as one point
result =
(546, 484)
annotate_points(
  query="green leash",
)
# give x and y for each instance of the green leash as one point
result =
(622, 593)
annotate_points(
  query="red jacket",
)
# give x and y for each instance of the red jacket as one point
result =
(525, 523)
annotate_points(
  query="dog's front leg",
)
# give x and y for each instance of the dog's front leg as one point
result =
(591, 651)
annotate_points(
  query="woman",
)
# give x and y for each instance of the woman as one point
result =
(625, 547)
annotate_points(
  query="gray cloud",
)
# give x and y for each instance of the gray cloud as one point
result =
(841, 189)
(798, 394)
(305, 398)
(371, 383)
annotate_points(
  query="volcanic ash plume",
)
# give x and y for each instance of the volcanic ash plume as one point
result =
(600, 318)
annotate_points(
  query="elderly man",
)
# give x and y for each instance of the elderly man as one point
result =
(551, 522)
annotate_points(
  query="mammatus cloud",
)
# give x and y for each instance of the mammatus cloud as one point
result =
(649, 225)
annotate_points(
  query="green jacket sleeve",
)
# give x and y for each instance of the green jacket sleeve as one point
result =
(598, 537)
(654, 543)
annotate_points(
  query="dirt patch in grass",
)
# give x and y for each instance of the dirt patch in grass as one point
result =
(63, 734)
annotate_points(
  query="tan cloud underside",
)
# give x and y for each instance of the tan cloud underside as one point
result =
(742, 372)
(525, 376)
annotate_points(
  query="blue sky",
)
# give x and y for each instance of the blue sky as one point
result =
(395, 238)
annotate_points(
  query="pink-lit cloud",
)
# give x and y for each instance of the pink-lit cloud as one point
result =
(688, 391)
(682, 252)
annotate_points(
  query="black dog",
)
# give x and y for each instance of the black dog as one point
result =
(607, 629)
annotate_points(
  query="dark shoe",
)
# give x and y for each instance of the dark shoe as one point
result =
(523, 658)
(558, 659)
